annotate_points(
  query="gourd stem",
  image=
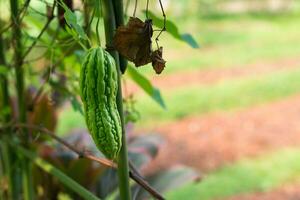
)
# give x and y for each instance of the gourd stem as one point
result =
(18, 61)
(123, 169)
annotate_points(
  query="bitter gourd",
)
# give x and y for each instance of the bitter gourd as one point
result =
(98, 87)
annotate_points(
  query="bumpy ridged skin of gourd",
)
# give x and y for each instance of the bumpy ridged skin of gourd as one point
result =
(99, 85)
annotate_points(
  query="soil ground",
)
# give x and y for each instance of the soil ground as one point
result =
(210, 141)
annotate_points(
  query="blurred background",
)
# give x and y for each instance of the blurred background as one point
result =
(233, 105)
(232, 116)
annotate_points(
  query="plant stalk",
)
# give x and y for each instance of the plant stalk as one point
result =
(18, 61)
(4, 82)
(86, 13)
(123, 169)
(11, 170)
(7, 154)
(47, 167)
(119, 15)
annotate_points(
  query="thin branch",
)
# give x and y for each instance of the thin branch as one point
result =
(43, 54)
(47, 75)
(134, 169)
(164, 28)
(81, 154)
(135, 6)
(40, 90)
(132, 173)
(36, 58)
(144, 184)
(38, 12)
(49, 20)
(23, 9)
(6, 28)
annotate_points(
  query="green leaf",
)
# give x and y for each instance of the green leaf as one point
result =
(172, 29)
(76, 105)
(47, 167)
(143, 149)
(173, 178)
(188, 38)
(71, 20)
(3, 70)
(5, 110)
(107, 185)
(146, 85)
(168, 180)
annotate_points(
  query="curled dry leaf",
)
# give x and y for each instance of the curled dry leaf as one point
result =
(158, 63)
(133, 41)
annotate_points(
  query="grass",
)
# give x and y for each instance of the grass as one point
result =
(227, 95)
(260, 174)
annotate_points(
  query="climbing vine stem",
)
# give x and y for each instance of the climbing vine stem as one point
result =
(123, 169)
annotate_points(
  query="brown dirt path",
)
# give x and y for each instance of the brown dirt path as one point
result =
(211, 76)
(210, 141)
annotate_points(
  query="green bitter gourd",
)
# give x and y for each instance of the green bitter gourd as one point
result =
(98, 87)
